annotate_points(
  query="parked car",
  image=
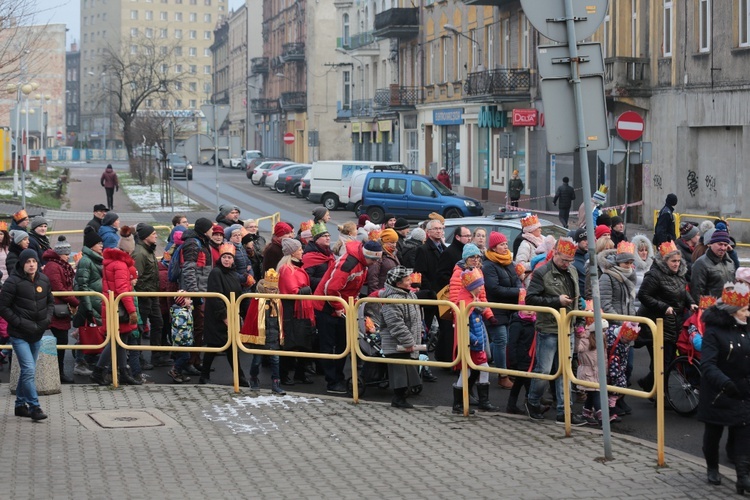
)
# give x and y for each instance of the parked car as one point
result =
(248, 156)
(330, 180)
(275, 173)
(252, 164)
(257, 174)
(413, 196)
(304, 186)
(266, 172)
(357, 184)
(234, 162)
(508, 223)
(289, 181)
(178, 166)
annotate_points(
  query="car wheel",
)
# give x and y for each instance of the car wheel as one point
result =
(254, 183)
(330, 201)
(358, 208)
(295, 190)
(453, 213)
(376, 215)
(249, 175)
(280, 188)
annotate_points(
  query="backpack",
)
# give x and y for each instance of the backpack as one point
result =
(174, 270)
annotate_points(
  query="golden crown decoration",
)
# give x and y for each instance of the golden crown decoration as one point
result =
(3, 226)
(271, 277)
(736, 295)
(629, 331)
(529, 220)
(603, 189)
(374, 235)
(306, 225)
(416, 278)
(706, 301)
(566, 247)
(626, 247)
(369, 325)
(612, 212)
(469, 277)
(226, 248)
(667, 247)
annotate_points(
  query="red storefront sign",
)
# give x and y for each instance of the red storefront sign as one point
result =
(525, 117)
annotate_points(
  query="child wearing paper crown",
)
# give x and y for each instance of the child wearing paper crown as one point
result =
(588, 370)
(181, 333)
(473, 282)
(264, 329)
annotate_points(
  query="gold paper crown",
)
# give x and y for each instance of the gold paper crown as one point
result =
(667, 247)
(271, 278)
(612, 213)
(566, 247)
(626, 247)
(369, 325)
(226, 248)
(374, 235)
(603, 189)
(306, 225)
(529, 221)
(470, 276)
(629, 331)
(3, 226)
(416, 278)
(706, 301)
(20, 215)
(736, 295)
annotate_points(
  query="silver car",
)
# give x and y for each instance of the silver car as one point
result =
(179, 167)
(507, 223)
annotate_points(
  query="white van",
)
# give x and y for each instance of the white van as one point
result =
(330, 180)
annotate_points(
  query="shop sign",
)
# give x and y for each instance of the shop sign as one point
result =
(525, 117)
(491, 117)
(453, 116)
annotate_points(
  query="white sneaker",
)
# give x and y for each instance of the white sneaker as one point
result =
(82, 369)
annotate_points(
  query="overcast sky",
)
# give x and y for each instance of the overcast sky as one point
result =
(68, 12)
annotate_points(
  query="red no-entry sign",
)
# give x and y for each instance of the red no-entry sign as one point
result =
(289, 138)
(630, 126)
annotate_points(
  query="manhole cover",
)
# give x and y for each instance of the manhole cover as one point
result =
(124, 419)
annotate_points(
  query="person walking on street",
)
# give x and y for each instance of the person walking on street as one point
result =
(26, 303)
(664, 229)
(110, 183)
(563, 199)
(712, 269)
(515, 187)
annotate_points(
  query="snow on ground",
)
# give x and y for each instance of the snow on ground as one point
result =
(149, 199)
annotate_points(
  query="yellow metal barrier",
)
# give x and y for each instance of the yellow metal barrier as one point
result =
(679, 216)
(274, 218)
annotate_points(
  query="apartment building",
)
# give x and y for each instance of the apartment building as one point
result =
(72, 95)
(183, 28)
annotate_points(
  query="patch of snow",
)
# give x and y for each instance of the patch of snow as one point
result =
(150, 200)
(239, 416)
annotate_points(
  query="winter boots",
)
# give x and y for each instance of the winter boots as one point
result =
(399, 399)
(97, 376)
(126, 378)
(742, 466)
(458, 401)
(483, 390)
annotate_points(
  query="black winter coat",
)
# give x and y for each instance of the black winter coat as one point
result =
(564, 196)
(725, 358)
(661, 289)
(14, 251)
(447, 262)
(224, 281)
(27, 305)
(664, 229)
(687, 256)
(39, 244)
(407, 252)
(426, 261)
(502, 285)
(520, 337)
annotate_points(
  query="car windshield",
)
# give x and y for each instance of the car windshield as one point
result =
(175, 159)
(441, 188)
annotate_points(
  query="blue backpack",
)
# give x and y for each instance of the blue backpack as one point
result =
(174, 270)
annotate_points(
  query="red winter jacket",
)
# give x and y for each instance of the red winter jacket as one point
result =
(116, 277)
(60, 275)
(343, 280)
(458, 292)
(291, 279)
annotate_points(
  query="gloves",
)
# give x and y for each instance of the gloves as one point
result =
(730, 389)
(305, 290)
(493, 321)
(133, 318)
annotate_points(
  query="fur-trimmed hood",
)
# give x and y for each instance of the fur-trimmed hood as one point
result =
(606, 259)
(664, 268)
(640, 264)
(117, 254)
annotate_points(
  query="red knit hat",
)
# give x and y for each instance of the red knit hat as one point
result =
(281, 229)
(496, 238)
(217, 229)
(601, 230)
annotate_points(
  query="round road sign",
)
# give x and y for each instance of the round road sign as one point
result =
(547, 17)
(289, 138)
(59, 135)
(629, 126)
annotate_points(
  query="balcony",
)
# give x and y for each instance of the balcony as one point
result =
(397, 23)
(627, 77)
(397, 98)
(293, 52)
(264, 106)
(362, 108)
(293, 101)
(259, 65)
(343, 114)
(498, 85)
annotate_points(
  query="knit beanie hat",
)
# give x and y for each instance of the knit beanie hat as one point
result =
(616, 220)
(224, 209)
(26, 255)
(38, 221)
(127, 240)
(62, 247)
(601, 230)
(290, 245)
(705, 226)
(319, 212)
(248, 238)
(18, 236)
(281, 229)
(470, 250)
(372, 250)
(144, 231)
(228, 231)
(91, 237)
(203, 225)
(362, 220)
(720, 237)
(687, 231)
(109, 218)
(497, 238)
(397, 274)
(401, 223)
(388, 236)
(418, 234)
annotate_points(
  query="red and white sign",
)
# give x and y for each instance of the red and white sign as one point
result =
(525, 117)
(289, 138)
(59, 135)
(630, 126)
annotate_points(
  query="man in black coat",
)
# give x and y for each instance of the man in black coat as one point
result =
(449, 258)
(564, 198)
(99, 211)
(664, 229)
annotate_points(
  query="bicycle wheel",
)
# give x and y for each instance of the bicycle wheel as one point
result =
(683, 384)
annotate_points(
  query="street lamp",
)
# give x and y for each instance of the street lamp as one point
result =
(24, 88)
(454, 30)
(43, 119)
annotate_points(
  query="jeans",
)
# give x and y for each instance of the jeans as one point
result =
(332, 339)
(110, 197)
(498, 343)
(255, 366)
(546, 352)
(26, 354)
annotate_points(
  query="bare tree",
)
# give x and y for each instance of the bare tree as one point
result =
(18, 37)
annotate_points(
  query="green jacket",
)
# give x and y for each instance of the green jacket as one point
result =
(547, 284)
(89, 279)
(515, 186)
(147, 267)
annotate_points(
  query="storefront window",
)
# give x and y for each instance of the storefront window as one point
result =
(483, 157)
(450, 151)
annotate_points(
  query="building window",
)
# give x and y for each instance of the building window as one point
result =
(149, 15)
(163, 16)
(149, 103)
(207, 69)
(178, 16)
(207, 52)
(525, 63)
(704, 26)
(192, 103)
(445, 59)
(633, 28)
(193, 34)
(134, 14)
(207, 2)
(206, 18)
(345, 36)
(193, 17)
(193, 86)
(164, 103)
(178, 85)
(346, 102)
(206, 35)
(506, 43)
(744, 22)
(192, 52)
(178, 68)
(178, 103)
(149, 33)
(133, 49)
(193, 69)
(667, 41)
(163, 33)
(178, 33)
(134, 32)
(178, 51)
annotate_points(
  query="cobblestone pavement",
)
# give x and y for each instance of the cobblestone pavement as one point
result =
(207, 442)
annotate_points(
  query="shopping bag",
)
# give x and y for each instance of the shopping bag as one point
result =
(91, 334)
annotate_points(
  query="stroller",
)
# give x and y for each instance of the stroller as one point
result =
(683, 376)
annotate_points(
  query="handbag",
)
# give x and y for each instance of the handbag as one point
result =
(123, 316)
(91, 334)
(61, 311)
(299, 334)
(445, 312)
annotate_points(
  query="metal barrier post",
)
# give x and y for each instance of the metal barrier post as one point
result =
(462, 338)
(659, 384)
(351, 328)
(563, 346)
(233, 318)
(113, 331)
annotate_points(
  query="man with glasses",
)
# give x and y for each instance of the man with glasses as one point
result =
(555, 285)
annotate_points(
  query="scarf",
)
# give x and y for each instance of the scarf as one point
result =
(623, 275)
(504, 259)
(534, 240)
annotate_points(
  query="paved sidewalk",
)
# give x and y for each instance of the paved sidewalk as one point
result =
(207, 442)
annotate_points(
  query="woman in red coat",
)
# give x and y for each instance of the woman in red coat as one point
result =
(61, 275)
(119, 276)
(444, 179)
(298, 315)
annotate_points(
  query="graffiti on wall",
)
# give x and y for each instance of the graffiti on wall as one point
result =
(711, 182)
(657, 181)
(692, 182)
